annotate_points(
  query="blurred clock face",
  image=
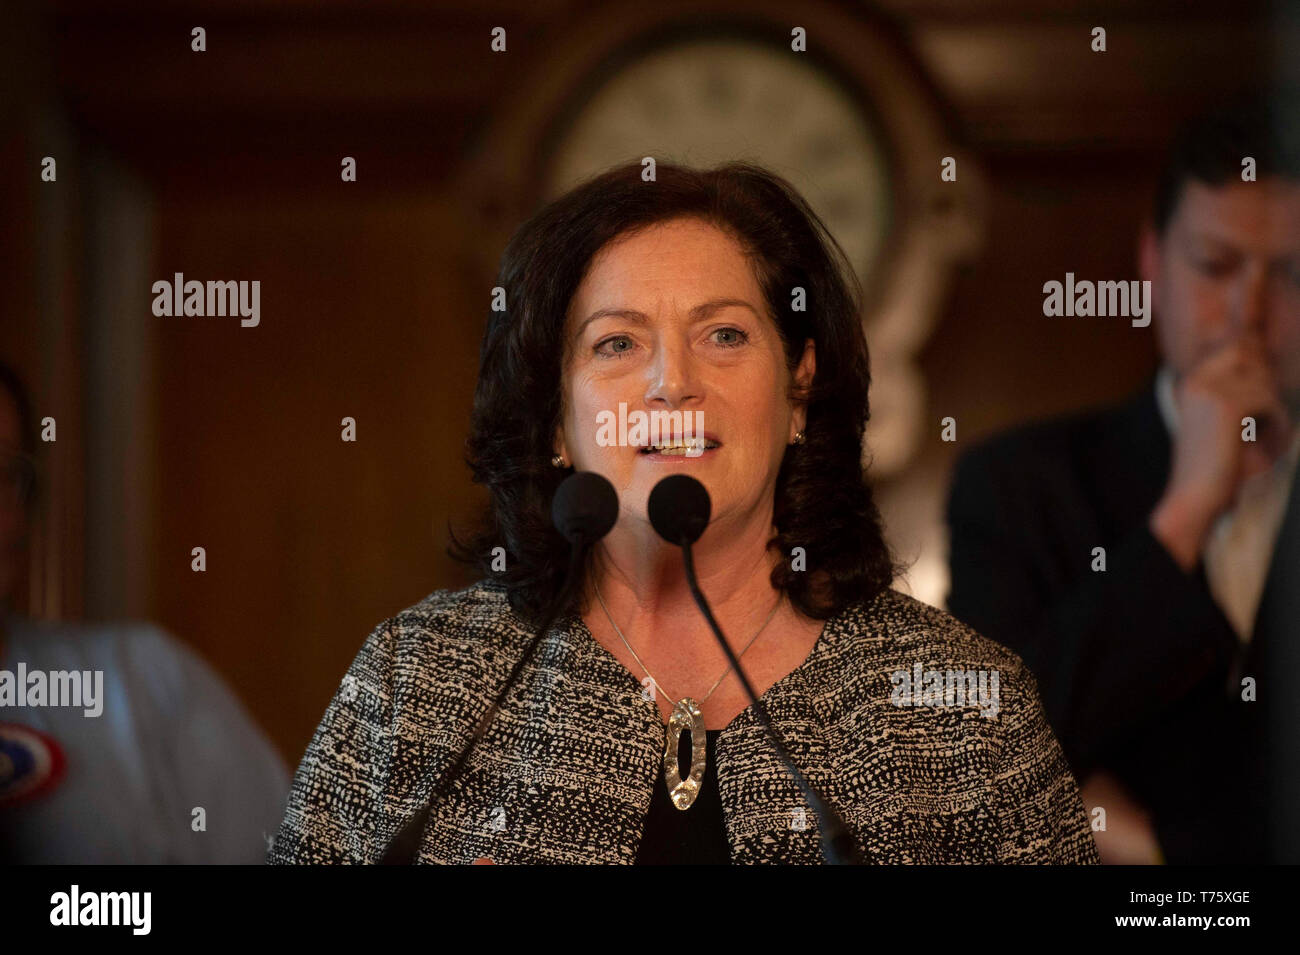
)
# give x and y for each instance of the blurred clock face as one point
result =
(704, 102)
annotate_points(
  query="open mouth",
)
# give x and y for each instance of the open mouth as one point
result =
(680, 447)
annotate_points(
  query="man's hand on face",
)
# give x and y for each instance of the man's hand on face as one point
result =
(1210, 458)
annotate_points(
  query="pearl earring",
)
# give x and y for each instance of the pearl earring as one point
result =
(557, 461)
(799, 437)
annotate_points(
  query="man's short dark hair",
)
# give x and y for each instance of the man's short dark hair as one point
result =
(1211, 148)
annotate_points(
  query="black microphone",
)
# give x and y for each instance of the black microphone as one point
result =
(584, 510)
(679, 510)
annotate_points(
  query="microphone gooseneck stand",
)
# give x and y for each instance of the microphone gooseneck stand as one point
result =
(679, 509)
(584, 509)
(841, 848)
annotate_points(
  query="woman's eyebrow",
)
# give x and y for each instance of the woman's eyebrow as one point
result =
(629, 313)
(703, 310)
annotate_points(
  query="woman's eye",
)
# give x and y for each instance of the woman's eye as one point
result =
(612, 341)
(733, 337)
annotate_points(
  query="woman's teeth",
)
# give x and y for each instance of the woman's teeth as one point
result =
(677, 449)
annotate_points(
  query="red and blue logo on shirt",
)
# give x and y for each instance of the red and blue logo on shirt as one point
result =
(31, 763)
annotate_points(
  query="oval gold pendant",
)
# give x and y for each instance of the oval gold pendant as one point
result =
(686, 715)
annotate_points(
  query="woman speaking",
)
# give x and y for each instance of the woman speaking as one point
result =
(717, 297)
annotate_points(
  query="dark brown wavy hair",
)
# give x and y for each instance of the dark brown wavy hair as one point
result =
(822, 502)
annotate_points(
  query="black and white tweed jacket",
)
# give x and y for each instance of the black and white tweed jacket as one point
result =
(566, 770)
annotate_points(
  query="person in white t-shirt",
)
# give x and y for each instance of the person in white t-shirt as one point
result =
(118, 744)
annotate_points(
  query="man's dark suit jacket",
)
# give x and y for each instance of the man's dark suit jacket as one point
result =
(1139, 670)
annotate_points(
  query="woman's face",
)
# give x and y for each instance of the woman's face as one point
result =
(680, 325)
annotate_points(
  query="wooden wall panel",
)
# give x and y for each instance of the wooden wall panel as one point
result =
(311, 541)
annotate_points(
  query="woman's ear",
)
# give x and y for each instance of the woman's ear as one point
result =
(803, 378)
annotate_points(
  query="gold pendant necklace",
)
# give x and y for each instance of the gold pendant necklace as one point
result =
(685, 716)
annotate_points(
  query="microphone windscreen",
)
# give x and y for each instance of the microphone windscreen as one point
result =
(679, 509)
(584, 508)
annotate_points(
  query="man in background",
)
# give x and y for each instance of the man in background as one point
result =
(170, 739)
(1168, 659)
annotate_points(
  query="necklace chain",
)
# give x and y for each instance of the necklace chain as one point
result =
(655, 682)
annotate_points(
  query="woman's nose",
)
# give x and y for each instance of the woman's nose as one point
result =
(672, 375)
